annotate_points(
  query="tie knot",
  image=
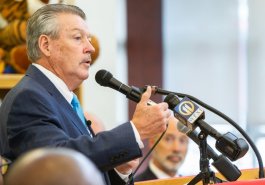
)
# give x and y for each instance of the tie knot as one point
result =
(75, 101)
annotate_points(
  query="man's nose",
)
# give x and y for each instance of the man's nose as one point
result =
(89, 48)
(177, 145)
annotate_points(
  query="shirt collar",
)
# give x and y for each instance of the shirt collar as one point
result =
(57, 82)
(159, 173)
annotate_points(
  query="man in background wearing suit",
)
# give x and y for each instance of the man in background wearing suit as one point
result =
(42, 110)
(167, 156)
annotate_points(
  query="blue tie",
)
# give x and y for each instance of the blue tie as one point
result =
(78, 109)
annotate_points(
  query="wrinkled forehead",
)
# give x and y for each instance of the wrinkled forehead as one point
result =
(72, 22)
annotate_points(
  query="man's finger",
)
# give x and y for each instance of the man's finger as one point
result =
(146, 95)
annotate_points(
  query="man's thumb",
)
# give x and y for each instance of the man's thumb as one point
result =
(146, 95)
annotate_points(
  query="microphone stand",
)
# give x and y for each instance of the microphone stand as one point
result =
(220, 162)
(206, 175)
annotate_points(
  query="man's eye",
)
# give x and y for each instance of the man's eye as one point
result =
(169, 139)
(78, 38)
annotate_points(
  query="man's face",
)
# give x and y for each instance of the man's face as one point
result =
(70, 54)
(170, 152)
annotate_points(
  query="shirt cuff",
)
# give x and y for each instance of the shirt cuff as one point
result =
(137, 136)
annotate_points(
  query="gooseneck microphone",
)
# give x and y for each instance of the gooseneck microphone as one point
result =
(105, 78)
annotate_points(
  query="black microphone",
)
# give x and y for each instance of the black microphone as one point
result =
(220, 162)
(106, 79)
(191, 115)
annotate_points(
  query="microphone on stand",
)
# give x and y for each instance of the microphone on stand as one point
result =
(221, 163)
(106, 79)
(192, 116)
(187, 112)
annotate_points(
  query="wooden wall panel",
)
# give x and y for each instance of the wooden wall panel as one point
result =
(144, 26)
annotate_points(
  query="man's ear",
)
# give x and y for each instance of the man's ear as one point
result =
(44, 41)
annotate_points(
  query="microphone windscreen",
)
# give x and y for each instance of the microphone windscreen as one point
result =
(172, 100)
(103, 77)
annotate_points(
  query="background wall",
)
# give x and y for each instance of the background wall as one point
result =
(212, 50)
(202, 47)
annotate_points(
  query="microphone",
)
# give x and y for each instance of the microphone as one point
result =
(191, 115)
(106, 79)
(220, 162)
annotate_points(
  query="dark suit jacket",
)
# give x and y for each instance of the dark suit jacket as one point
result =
(147, 174)
(35, 114)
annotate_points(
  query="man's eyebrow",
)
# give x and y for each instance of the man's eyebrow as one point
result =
(169, 134)
(89, 35)
(76, 29)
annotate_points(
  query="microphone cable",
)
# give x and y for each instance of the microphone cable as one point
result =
(145, 157)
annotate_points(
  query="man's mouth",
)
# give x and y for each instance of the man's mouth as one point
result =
(88, 62)
(174, 158)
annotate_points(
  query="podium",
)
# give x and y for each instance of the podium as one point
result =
(248, 177)
(245, 182)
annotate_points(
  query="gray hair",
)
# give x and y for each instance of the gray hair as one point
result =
(43, 21)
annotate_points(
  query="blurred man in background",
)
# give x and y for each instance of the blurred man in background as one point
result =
(168, 155)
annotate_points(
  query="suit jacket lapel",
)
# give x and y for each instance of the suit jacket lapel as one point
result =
(37, 75)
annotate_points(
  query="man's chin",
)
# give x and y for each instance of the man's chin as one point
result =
(173, 166)
(84, 75)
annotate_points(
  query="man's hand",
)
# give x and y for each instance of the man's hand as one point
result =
(150, 120)
(128, 167)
